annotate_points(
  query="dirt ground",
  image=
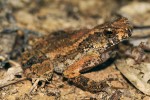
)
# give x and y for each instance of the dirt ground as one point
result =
(21, 21)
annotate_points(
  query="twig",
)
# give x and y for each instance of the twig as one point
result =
(13, 82)
(141, 27)
(34, 86)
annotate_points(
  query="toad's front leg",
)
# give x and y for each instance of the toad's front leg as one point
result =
(87, 62)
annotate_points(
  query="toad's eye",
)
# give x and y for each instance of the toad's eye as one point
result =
(109, 32)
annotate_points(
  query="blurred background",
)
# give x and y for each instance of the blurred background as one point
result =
(49, 15)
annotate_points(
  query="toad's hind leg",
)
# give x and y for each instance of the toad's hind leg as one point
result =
(89, 84)
(73, 72)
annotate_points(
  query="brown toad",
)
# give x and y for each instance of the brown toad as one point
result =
(72, 53)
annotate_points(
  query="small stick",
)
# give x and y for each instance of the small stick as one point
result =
(141, 27)
(12, 82)
(34, 86)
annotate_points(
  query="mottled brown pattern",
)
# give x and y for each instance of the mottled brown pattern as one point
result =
(70, 53)
(89, 85)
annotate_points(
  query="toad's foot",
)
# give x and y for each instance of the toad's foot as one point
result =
(35, 81)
